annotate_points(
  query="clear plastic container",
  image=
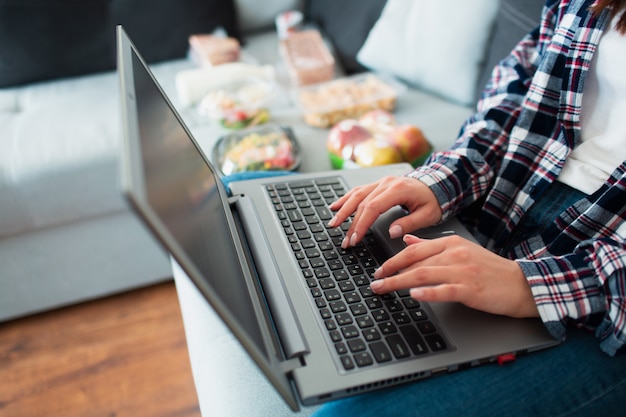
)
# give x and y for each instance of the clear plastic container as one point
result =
(209, 50)
(325, 104)
(264, 148)
(307, 58)
(239, 104)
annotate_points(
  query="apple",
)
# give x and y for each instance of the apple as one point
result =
(411, 143)
(342, 139)
(374, 152)
(379, 122)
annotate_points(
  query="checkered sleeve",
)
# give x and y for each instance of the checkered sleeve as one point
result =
(582, 287)
(464, 173)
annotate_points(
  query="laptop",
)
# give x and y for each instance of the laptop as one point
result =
(262, 256)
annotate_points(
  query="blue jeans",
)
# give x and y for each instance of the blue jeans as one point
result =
(573, 379)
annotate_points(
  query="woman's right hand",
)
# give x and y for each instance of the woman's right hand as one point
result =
(369, 201)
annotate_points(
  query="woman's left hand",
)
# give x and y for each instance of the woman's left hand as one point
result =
(456, 269)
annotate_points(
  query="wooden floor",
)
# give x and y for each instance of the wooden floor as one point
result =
(124, 355)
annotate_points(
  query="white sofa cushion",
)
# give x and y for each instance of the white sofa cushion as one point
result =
(411, 41)
(59, 145)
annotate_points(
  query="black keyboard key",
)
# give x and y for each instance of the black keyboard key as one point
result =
(332, 295)
(343, 319)
(356, 345)
(358, 309)
(415, 341)
(401, 318)
(410, 303)
(321, 273)
(371, 334)
(398, 346)
(436, 342)
(337, 306)
(324, 213)
(426, 327)
(363, 359)
(352, 297)
(418, 314)
(394, 305)
(340, 275)
(350, 332)
(335, 336)
(326, 283)
(312, 253)
(387, 327)
(364, 322)
(380, 315)
(341, 348)
(330, 324)
(381, 352)
(379, 253)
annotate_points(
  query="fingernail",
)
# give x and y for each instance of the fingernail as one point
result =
(376, 285)
(395, 231)
(378, 273)
(353, 239)
(344, 243)
(417, 293)
(332, 221)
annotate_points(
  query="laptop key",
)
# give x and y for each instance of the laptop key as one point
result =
(380, 351)
(363, 359)
(415, 341)
(435, 342)
(398, 346)
(371, 334)
(356, 345)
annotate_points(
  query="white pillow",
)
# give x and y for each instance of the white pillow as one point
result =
(434, 45)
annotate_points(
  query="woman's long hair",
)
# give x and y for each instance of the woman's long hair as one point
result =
(617, 6)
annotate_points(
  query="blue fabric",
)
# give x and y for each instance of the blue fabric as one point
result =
(557, 198)
(251, 175)
(573, 379)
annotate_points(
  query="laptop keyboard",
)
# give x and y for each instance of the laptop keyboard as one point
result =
(364, 328)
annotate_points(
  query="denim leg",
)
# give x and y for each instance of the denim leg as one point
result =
(573, 379)
(557, 198)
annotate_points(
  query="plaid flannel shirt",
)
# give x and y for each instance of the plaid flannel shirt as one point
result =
(527, 123)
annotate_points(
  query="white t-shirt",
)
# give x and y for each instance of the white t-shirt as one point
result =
(603, 117)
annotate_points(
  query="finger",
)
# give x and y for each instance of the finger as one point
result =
(421, 253)
(385, 196)
(410, 239)
(418, 217)
(418, 277)
(348, 204)
(437, 293)
(421, 203)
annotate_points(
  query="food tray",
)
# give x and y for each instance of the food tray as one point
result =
(325, 104)
(264, 148)
(239, 104)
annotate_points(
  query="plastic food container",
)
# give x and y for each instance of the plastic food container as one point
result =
(325, 104)
(239, 104)
(209, 50)
(307, 58)
(264, 148)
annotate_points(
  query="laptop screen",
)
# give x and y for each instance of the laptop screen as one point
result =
(174, 189)
(181, 190)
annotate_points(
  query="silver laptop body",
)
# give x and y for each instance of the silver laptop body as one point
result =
(233, 247)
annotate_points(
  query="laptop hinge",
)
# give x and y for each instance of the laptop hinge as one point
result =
(288, 366)
(281, 307)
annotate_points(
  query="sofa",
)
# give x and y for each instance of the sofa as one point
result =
(67, 235)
